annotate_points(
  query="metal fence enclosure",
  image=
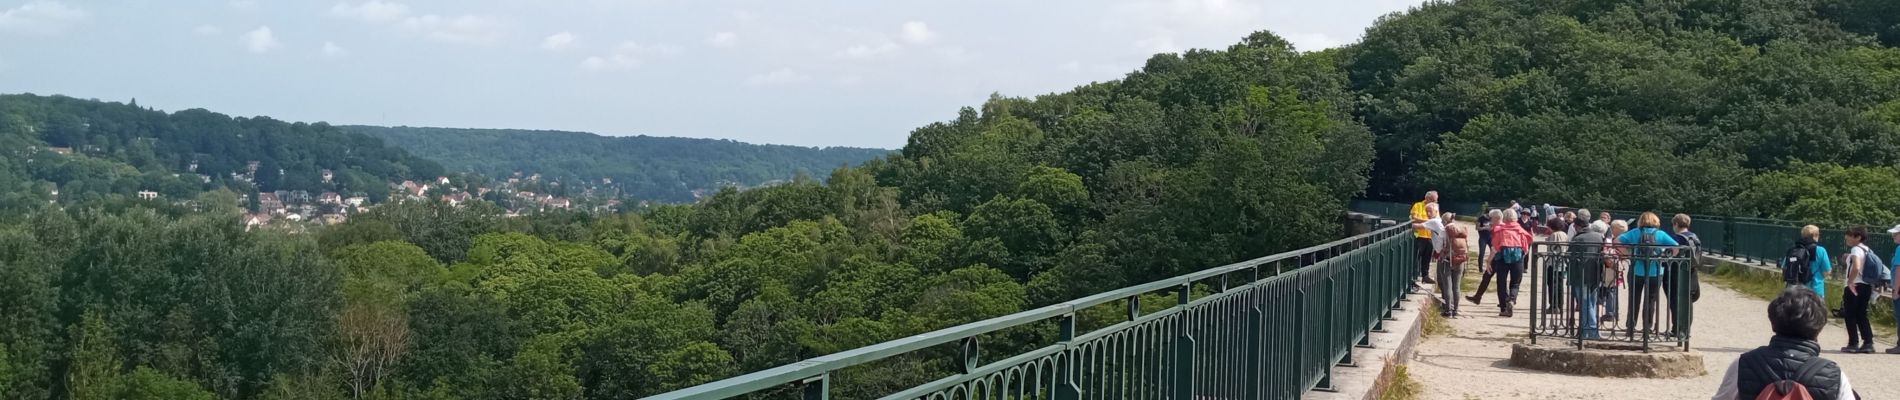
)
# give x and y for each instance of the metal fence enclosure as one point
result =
(1648, 287)
(1267, 328)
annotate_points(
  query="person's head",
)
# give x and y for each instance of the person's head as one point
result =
(1431, 196)
(1431, 210)
(1448, 217)
(1895, 231)
(1797, 313)
(1570, 215)
(1603, 216)
(1510, 215)
(1681, 222)
(1599, 227)
(1811, 232)
(1649, 220)
(1856, 234)
(1583, 212)
(1496, 214)
(1617, 227)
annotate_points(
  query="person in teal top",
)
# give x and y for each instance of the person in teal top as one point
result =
(1821, 264)
(1646, 269)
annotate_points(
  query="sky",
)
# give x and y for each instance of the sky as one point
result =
(811, 73)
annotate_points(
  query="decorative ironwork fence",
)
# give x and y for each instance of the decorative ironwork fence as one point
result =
(1611, 292)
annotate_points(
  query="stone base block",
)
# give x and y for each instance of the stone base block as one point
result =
(1608, 360)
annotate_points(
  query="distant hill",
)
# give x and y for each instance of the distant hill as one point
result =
(643, 167)
(92, 151)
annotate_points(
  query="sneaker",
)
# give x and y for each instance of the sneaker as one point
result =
(1427, 280)
(1868, 349)
(1850, 349)
(1475, 299)
(1895, 350)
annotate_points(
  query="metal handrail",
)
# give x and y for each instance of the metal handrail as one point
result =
(814, 372)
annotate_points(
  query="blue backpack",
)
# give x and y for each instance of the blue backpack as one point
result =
(1511, 255)
(1873, 270)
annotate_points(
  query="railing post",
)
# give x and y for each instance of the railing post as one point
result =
(1535, 312)
(817, 388)
(1066, 386)
(1256, 321)
(1184, 349)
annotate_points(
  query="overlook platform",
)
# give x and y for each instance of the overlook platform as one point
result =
(1473, 362)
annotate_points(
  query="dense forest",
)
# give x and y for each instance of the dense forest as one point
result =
(1777, 108)
(644, 167)
(114, 150)
(1196, 160)
(1785, 109)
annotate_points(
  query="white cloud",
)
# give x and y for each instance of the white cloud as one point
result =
(1163, 25)
(332, 50)
(208, 30)
(470, 29)
(260, 40)
(723, 39)
(559, 41)
(863, 51)
(372, 11)
(781, 76)
(629, 55)
(1312, 41)
(41, 17)
(916, 32)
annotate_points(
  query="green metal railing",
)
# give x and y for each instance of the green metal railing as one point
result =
(1272, 327)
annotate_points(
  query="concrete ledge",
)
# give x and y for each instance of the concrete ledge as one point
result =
(1608, 360)
(1374, 367)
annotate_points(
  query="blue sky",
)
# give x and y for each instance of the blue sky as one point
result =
(830, 73)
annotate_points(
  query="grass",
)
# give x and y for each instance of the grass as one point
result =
(1437, 326)
(1402, 387)
(1766, 285)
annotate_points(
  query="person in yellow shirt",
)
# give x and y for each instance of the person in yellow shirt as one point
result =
(1423, 237)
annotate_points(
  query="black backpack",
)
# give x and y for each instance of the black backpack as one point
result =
(1798, 267)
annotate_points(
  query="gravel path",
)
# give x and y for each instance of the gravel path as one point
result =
(1472, 362)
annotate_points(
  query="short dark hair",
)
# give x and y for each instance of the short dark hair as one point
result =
(1798, 313)
(1857, 232)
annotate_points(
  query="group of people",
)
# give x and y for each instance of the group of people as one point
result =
(1807, 264)
(1628, 258)
(1505, 244)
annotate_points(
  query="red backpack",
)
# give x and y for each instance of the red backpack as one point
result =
(1791, 389)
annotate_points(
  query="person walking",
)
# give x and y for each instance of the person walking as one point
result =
(1648, 244)
(1797, 317)
(1423, 237)
(1451, 263)
(1860, 291)
(1585, 274)
(1486, 223)
(1513, 248)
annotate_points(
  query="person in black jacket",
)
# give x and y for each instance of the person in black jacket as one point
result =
(1797, 318)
